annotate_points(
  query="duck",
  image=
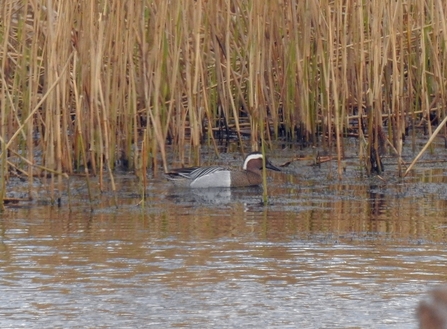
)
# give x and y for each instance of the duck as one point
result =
(218, 177)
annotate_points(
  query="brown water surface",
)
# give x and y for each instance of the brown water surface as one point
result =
(356, 253)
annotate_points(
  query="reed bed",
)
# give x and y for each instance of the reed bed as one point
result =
(87, 85)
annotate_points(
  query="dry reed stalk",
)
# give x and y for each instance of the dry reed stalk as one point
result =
(432, 137)
(228, 74)
(265, 195)
(79, 134)
(154, 71)
(19, 130)
(58, 49)
(332, 85)
(398, 120)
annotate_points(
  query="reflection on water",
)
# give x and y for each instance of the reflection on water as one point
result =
(322, 254)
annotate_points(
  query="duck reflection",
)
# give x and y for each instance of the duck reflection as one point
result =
(216, 196)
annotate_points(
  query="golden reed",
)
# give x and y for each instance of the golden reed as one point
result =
(89, 84)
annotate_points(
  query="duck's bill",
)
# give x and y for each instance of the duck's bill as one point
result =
(269, 165)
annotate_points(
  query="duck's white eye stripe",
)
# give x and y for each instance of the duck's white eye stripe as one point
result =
(251, 157)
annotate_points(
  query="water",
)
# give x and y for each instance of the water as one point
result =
(356, 253)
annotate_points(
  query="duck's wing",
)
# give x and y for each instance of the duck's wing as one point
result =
(180, 173)
(203, 171)
(192, 172)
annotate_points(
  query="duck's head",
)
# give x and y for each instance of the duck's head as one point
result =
(253, 162)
